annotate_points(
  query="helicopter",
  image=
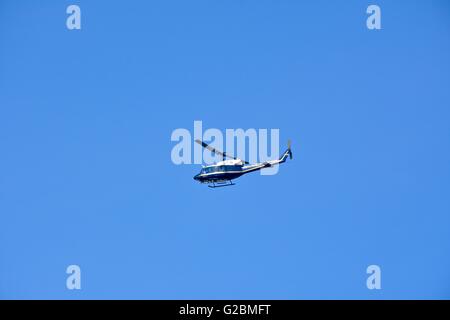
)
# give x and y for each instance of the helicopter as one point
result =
(224, 172)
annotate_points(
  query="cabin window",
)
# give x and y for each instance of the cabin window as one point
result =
(206, 170)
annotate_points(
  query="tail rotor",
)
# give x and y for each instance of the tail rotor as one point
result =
(289, 149)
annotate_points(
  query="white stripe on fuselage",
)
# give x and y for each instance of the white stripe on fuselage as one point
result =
(218, 172)
(244, 170)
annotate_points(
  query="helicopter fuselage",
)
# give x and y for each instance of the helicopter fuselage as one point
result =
(223, 171)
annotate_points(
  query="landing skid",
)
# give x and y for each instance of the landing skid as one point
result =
(227, 183)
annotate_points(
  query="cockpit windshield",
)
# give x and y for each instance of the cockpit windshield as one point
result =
(219, 169)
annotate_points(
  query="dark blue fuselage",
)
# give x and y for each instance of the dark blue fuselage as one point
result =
(219, 173)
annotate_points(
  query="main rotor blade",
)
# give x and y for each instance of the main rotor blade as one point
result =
(216, 151)
(208, 147)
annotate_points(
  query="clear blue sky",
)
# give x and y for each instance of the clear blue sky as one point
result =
(86, 176)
